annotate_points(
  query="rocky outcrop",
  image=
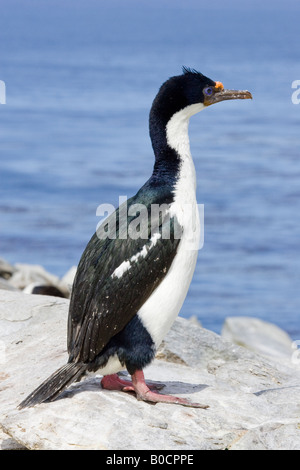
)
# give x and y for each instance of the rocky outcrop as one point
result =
(34, 279)
(260, 336)
(253, 399)
(6, 269)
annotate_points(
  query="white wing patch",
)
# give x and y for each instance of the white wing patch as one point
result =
(126, 265)
(120, 270)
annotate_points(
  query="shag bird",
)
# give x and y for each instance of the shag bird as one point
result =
(128, 290)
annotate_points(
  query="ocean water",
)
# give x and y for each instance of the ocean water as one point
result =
(80, 79)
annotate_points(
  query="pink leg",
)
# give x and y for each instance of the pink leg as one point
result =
(144, 393)
(114, 382)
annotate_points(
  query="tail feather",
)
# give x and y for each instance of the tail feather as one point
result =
(55, 384)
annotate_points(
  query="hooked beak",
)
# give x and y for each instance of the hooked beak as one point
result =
(223, 94)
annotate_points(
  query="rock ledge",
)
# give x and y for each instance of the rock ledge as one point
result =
(253, 399)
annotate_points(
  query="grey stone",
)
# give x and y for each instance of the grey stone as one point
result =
(5, 284)
(6, 269)
(34, 279)
(28, 276)
(259, 336)
(7, 443)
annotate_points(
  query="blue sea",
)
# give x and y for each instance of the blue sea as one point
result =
(80, 78)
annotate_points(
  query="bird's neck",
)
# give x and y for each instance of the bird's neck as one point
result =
(171, 145)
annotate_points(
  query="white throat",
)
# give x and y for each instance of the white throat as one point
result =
(177, 129)
(178, 139)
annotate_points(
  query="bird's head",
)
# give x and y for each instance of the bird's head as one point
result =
(192, 91)
(200, 89)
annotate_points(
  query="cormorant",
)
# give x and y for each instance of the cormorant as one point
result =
(128, 290)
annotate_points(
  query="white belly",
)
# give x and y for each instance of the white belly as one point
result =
(161, 309)
(112, 367)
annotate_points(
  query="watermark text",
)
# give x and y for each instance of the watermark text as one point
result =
(2, 92)
(296, 94)
(156, 221)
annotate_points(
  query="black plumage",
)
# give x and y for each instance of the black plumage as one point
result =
(101, 304)
(102, 315)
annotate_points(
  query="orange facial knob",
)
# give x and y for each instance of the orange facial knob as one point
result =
(219, 86)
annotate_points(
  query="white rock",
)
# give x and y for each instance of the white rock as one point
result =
(7, 443)
(5, 284)
(27, 275)
(6, 269)
(258, 336)
(254, 401)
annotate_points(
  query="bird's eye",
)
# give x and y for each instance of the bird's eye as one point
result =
(208, 91)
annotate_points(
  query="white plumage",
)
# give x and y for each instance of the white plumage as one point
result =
(161, 309)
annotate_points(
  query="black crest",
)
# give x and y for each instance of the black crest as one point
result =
(188, 70)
